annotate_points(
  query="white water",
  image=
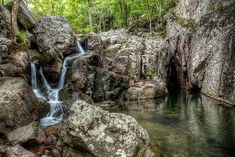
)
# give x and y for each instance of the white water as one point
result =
(56, 112)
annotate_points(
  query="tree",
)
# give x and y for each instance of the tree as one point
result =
(14, 13)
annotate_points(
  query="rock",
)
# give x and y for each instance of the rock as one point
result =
(54, 38)
(102, 134)
(195, 9)
(18, 151)
(15, 65)
(5, 19)
(5, 45)
(24, 17)
(212, 59)
(147, 90)
(86, 76)
(17, 102)
(31, 132)
(129, 55)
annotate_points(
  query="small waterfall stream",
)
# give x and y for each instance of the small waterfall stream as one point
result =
(51, 95)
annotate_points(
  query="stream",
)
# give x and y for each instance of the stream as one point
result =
(183, 126)
(51, 94)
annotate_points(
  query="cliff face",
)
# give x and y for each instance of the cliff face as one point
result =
(203, 36)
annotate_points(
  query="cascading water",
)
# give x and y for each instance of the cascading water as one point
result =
(56, 112)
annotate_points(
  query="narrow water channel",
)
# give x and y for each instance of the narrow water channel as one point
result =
(186, 126)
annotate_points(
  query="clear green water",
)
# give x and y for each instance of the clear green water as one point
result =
(186, 126)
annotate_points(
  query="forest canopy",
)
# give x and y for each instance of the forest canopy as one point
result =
(101, 15)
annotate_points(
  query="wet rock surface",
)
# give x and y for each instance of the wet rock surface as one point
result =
(101, 133)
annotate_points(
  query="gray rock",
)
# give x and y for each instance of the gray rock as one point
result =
(24, 17)
(54, 38)
(5, 45)
(15, 65)
(212, 61)
(103, 134)
(17, 102)
(147, 90)
(18, 151)
(5, 19)
(30, 132)
(86, 76)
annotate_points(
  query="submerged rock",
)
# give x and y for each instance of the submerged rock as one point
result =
(102, 134)
(17, 102)
(29, 133)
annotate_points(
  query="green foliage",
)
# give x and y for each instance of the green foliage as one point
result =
(21, 37)
(185, 22)
(151, 74)
(101, 15)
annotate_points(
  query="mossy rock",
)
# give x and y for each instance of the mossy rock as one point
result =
(185, 22)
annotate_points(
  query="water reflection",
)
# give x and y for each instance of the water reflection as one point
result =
(191, 125)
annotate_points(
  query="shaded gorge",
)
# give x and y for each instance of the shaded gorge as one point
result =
(191, 125)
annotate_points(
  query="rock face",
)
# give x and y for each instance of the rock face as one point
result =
(103, 134)
(212, 61)
(128, 55)
(31, 132)
(203, 52)
(54, 38)
(17, 102)
(87, 76)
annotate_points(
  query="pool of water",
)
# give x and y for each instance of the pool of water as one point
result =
(186, 126)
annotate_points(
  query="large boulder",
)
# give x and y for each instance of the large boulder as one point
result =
(24, 17)
(54, 38)
(17, 102)
(102, 134)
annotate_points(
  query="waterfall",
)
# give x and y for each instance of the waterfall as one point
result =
(56, 112)
(34, 82)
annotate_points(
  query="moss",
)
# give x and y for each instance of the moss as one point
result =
(22, 40)
(161, 31)
(185, 22)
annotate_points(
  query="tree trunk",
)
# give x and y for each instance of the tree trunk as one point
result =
(14, 13)
(89, 5)
(2, 2)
